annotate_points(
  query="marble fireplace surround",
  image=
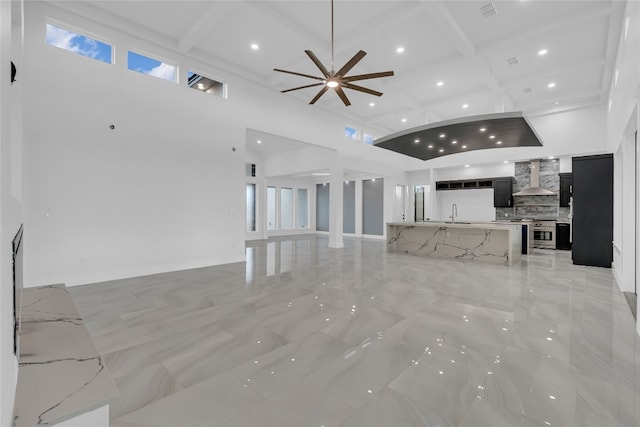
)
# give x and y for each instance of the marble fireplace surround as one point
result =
(60, 373)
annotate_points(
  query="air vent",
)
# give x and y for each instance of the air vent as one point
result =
(488, 10)
(514, 60)
(527, 90)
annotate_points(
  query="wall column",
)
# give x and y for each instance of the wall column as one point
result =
(336, 202)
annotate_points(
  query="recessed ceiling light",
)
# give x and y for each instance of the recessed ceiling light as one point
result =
(483, 129)
(498, 142)
(430, 146)
(466, 166)
(320, 173)
(543, 52)
(400, 49)
(259, 142)
(552, 84)
(372, 104)
(404, 120)
(464, 146)
(556, 103)
(551, 157)
(454, 142)
(255, 46)
(465, 106)
(506, 162)
(373, 180)
(416, 140)
(492, 136)
(442, 135)
(441, 150)
(440, 84)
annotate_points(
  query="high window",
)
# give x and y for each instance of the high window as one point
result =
(79, 43)
(205, 84)
(150, 66)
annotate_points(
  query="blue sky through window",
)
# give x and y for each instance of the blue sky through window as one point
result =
(351, 132)
(77, 43)
(153, 67)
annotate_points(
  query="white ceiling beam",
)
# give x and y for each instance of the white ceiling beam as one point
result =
(208, 19)
(101, 16)
(614, 37)
(450, 27)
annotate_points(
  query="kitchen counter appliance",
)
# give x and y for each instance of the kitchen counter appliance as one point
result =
(544, 234)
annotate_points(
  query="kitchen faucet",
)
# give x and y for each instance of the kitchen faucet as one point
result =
(454, 213)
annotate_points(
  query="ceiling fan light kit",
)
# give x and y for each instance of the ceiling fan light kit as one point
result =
(336, 80)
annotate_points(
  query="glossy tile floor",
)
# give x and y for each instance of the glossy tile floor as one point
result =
(303, 335)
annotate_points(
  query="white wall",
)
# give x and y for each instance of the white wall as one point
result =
(11, 190)
(164, 190)
(622, 121)
(473, 205)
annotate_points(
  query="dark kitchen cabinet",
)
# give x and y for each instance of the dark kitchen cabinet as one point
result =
(503, 192)
(566, 189)
(593, 210)
(563, 236)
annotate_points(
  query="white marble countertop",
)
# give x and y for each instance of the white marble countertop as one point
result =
(461, 224)
(60, 374)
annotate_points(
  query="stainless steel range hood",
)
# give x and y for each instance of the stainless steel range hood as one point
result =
(534, 184)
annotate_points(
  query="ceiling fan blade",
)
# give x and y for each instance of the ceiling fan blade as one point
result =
(298, 74)
(322, 91)
(342, 96)
(351, 63)
(362, 89)
(367, 76)
(301, 87)
(316, 61)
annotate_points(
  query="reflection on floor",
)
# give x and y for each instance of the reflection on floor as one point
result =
(304, 335)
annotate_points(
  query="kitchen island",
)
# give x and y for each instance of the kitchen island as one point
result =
(496, 243)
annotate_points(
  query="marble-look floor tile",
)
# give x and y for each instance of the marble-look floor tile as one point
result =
(289, 363)
(444, 379)
(125, 362)
(301, 404)
(361, 324)
(364, 370)
(146, 386)
(205, 362)
(208, 403)
(542, 327)
(390, 408)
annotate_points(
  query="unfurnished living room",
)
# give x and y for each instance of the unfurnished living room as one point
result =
(319, 213)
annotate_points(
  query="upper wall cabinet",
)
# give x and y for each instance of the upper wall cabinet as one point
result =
(566, 189)
(503, 192)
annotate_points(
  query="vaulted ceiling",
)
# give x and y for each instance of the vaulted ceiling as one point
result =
(488, 56)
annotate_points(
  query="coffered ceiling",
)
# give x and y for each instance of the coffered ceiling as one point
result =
(488, 56)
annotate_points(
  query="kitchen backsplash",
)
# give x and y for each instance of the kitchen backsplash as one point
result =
(538, 207)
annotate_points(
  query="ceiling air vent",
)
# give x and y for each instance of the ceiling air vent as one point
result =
(527, 90)
(488, 10)
(514, 60)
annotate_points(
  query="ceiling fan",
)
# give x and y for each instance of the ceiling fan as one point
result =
(337, 80)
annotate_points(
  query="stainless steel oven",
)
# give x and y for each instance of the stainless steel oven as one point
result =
(544, 234)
